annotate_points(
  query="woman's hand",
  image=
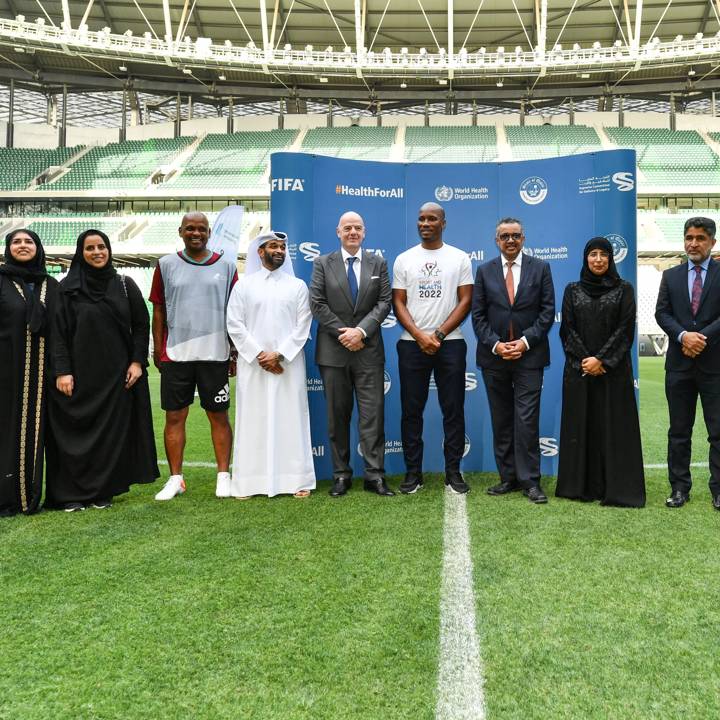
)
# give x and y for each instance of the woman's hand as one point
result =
(65, 384)
(133, 374)
(592, 366)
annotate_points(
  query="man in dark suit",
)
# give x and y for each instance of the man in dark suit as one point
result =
(513, 309)
(350, 297)
(688, 310)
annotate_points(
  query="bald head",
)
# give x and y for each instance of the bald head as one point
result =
(431, 224)
(195, 233)
(351, 231)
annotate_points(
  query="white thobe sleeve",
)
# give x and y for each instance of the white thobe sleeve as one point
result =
(246, 345)
(295, 341)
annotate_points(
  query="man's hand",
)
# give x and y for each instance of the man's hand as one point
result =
(270, 361)
(512, 350)
(65, 384)
(592, 366)
(133, 374)
(428, 342)
(351, 338)
(694, 343)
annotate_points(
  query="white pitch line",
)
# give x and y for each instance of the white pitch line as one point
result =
(460, 678)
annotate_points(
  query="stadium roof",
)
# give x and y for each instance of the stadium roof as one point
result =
(399, 53)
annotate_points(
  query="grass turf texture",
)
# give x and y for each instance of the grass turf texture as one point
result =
(322, 608)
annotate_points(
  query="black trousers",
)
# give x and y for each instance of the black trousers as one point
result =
(514, 398)
(682, 390)
(448, 368)
(366, 384)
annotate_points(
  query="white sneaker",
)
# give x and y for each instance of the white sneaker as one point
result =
(222, 489)
(174, 486)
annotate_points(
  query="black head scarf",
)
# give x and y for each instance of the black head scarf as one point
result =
(597, 285)
(85, 279)
(32, 271)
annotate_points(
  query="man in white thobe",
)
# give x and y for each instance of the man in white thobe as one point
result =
(268, 318)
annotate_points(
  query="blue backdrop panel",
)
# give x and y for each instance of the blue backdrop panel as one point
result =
(562, 203)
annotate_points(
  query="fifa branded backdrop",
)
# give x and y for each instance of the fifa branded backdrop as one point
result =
(562, 203)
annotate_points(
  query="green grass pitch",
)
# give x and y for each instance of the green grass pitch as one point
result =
(327, 609)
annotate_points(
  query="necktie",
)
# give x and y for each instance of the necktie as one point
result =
(696, 290)
(510, 287)
(352, 280)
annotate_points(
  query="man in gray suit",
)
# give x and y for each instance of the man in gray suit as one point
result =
(350, 297)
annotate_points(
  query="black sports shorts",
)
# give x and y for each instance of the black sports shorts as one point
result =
(178, 381)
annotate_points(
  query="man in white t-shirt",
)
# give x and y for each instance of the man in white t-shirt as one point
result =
(432, 293)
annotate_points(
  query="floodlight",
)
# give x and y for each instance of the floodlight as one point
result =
(41, 21)
(221, 77)
(187, 71)
(442, 81)
(122, 68)
(500, 83)
(323, 79)
(403, 85)
(691, 72)
(20, 18)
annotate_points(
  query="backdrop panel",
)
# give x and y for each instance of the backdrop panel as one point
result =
(562, 202)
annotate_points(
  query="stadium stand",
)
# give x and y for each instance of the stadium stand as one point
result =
(20, 166)
(356, 143)
(121, 166)
(232, 161)
(451, 144)
(670, 158)
(64, 232)
(542, 141)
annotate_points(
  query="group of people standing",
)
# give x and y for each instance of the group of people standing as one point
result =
(73, 365)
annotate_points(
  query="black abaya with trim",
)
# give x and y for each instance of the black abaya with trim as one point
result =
(24, 380)
(600, 447)
(103, 439)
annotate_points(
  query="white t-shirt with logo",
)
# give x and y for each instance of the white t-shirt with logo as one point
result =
(431, 279)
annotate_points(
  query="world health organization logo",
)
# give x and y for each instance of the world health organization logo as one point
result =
(619, 246)
(533, 190)
(443, 193)
(387, 382)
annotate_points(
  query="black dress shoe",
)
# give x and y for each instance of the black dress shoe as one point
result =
(716, 502)
(503, 488)
(340, 487)
(378, 487)
(677, 499)
(535, 495)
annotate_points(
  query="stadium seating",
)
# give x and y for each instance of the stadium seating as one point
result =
(64, 232)
(21, 165)
(451, 144)
(356, 143)
(542, 141)
(670, 158)
(121, 166)
(232, 161)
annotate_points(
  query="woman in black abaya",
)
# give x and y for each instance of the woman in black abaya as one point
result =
(27, 294)
(600, 449)
(103, 438)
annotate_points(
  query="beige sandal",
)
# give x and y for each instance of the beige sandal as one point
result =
(302, 494)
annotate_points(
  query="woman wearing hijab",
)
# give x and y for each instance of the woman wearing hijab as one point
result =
(103, 438)
(600, 450)
(27, 294)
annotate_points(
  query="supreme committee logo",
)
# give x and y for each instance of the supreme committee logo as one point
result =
(619, 246)
(624, 181)
(443, 193)
(309, 250)
(533, 190)
(387, 382)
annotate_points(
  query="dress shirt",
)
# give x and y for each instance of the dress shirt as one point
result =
(356, 270)
(691, 279)
(516, 270)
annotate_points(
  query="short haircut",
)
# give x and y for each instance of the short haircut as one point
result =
(509, 221)
(706, 223)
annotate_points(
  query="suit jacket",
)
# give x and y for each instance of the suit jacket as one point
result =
(674, 314)
(532, 314)
(333, 308)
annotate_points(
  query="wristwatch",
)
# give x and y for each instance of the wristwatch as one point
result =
(440, 335)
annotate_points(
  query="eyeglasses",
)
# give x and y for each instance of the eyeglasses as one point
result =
(506, 236)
